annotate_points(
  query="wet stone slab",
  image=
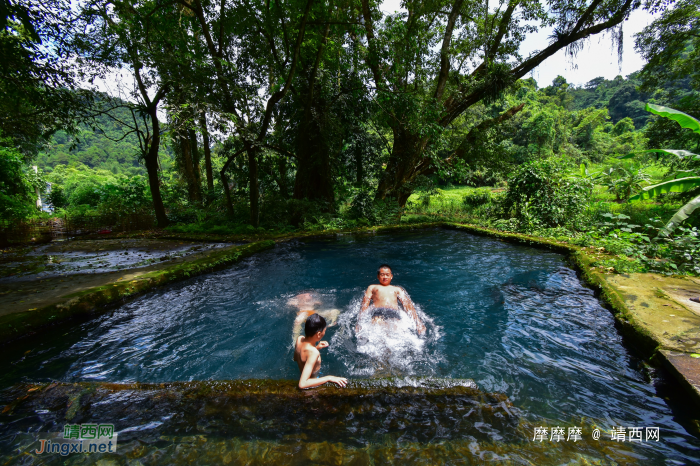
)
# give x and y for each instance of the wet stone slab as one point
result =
(31, 278)
(655, 304)
(686, 368)
(67, 258)
(265, 422)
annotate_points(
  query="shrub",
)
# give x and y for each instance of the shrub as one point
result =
(57, 197)
(477, 197)
(280, 213)
(17, 183)
(362, 206)
(482, 177)
(540, 194)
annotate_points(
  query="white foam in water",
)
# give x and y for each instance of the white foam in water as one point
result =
(390, 349)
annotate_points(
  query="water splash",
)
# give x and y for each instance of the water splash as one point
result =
(390, 349)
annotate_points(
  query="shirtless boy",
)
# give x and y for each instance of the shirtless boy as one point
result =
(308, 358)
(385, 299)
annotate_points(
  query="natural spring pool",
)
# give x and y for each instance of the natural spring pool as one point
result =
(514, 319)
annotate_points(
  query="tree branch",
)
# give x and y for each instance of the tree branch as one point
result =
(445, 50)
(373, 56)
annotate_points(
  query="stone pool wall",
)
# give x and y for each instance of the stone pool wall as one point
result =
(381, 421)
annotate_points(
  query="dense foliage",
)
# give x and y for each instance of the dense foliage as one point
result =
(541, 194)
(332, 114)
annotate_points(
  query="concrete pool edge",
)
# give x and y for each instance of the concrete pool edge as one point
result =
(101, 298)
(235, 415)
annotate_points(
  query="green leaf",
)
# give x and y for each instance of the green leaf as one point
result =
(686, 121)
(681, 174)
(680, 185)
(680, 216)
(681, 154)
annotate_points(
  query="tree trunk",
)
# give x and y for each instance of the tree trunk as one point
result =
(227, 192)
(254, 188)
(359, 168)
(282, 169)
(187, 165)
(314, 176)
(224, 181)
(396, 181)
(196, 170)
(313, 179)
(151, 160)
(407, 162)
(207, 151)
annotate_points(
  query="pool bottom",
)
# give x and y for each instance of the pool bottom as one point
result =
(383, 421)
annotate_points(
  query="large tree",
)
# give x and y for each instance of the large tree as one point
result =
(147, 39)
(252, 50)
(437, 59)
(671, 46)
(38, 82)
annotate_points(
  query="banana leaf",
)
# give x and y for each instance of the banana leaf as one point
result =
(680, 185)
(680, 216)
(681, 154)
(686, 121)
(681, 174)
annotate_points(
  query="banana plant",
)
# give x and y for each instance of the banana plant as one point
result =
(675, 185)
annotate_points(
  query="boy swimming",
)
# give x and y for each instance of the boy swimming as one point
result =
(306, 304)
(307, 356)
(384, 298)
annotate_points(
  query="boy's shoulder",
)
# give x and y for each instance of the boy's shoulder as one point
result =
(304, 345)
(310, 349)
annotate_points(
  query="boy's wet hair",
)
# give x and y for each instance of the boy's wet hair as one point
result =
(384, 266)
(314, 324)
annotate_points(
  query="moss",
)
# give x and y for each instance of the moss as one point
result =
(271, 421)
(635, 334)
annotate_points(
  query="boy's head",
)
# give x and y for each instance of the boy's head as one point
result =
(384, 274)
(314, 324)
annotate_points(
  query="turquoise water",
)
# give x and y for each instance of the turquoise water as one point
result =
(514, 319)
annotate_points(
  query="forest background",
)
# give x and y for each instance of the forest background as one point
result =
(269, 117)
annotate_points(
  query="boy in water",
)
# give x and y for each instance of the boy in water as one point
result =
(385, 299)
(307, 356)
(306, 305)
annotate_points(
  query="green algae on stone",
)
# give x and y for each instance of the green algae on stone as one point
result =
(272, 422)
(92, 300)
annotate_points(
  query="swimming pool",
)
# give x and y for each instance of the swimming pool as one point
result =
(514, 319)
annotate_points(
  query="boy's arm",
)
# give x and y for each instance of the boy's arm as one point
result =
(366, 299)
(410, 308)
(306, 382)
(365, 304)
